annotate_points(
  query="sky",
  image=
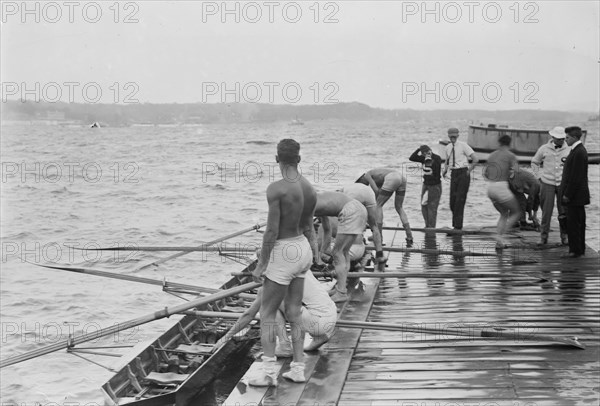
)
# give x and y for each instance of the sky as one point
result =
(492, 55)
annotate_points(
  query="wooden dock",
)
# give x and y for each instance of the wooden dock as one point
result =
(524, 290)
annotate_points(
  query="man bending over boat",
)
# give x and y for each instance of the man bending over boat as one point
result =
(352, 220)
(385, 182)
(319, 315)
(521, 183)
(366, 196)
(285, 257)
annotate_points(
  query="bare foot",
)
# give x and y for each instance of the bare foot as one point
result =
(316, 343)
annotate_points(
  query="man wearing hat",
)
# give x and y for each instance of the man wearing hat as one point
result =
(547, 164)
(575, 191)
(456, 158)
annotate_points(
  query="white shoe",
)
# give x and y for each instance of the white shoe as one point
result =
(296, 372)
(339, 296)
(266, 376)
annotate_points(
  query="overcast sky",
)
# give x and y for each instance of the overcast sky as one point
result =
(390, 54)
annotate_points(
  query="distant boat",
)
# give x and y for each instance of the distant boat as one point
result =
(95, 124)
(296, 121)
(524, 143)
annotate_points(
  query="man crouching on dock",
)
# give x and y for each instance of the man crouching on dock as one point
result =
(285, 257)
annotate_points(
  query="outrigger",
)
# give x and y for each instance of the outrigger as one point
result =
(182, 361)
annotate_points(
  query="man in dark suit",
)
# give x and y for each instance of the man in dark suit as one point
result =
(575, 191)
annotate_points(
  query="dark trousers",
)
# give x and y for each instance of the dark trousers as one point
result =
(549, 194)
(429, 211)
(576, 229)
(459, 187)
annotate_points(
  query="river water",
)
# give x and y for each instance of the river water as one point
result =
(65, 187)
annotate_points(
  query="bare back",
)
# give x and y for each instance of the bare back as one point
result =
(294, 203)
(378, 175)
(331, 203)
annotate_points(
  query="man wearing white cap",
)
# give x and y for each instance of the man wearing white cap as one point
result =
(547, 164)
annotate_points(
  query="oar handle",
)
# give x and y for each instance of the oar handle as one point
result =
(166, 312)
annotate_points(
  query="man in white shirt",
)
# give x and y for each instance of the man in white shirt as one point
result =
(547, 164)
(456, 159)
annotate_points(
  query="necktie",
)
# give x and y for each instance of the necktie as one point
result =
(453, 157)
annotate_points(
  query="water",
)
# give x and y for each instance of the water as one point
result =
(165, 186)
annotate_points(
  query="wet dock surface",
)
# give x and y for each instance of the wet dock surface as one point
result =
(527, 291)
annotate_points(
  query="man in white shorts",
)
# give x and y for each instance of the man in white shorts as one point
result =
(497, 171)
(319, 315)
(366, 196)
(352, 220)
(385, 182)
(285, 257)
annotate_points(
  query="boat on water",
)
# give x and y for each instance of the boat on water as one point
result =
(179, 364)
(524, 144)
(296, 121)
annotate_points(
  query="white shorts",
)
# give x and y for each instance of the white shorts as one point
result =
(499, 192)
(356, 251)
(394, 182)
(319, 325)
(290, 259)
(353, 218)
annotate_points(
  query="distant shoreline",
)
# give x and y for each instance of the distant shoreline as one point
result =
(125, 115)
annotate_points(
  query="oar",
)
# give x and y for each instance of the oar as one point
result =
(205, 248)
(445, 275)
(218, 240)
(436, 252)
(166, 312)
(201, 248)
(493, 333)
(166, 285)
(412, 328)
(450, 231)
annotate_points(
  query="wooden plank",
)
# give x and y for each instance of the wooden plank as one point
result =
(489, 381)
(328, 378)
(380, 392)
(473, 365)
(590, 375)
(460, 402)
(415, 341)
(246, 394)
(288, 392)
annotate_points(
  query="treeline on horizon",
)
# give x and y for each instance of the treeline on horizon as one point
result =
(200, 113)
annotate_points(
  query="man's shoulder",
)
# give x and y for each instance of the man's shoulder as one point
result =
(464, 146)
(544, 147)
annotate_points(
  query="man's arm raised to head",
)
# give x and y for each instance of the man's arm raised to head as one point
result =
(272, 229)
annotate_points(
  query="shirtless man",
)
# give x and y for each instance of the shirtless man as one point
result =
(497, 171)
(385, 182)
(352, 220)
(285, 257)
(366, 196)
